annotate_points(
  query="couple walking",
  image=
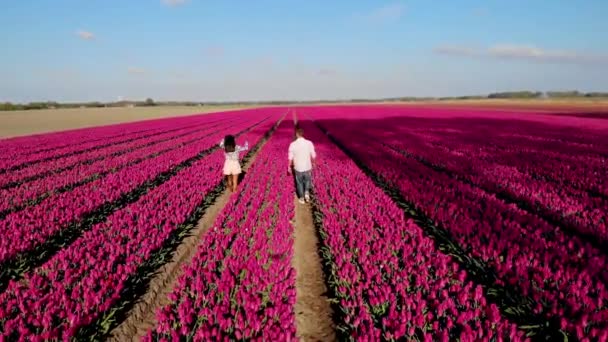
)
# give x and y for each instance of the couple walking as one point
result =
(301, 156)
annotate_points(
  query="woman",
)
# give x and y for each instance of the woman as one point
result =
(232, 167)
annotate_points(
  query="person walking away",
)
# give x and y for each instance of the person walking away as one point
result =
(301, 158)
(232, 166)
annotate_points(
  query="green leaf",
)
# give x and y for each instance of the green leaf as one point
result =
(528, 327)
(565, 335)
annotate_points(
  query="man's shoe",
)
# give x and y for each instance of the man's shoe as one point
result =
(307, 197)
(301, 201)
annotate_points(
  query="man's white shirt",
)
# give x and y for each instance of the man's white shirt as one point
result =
(301, 151)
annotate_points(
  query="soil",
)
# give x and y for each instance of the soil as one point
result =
(313, 309)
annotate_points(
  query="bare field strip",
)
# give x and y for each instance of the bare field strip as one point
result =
(533, 105)
(17, 123)
(550, 105)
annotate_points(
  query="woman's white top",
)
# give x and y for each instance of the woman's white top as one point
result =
(234, 156)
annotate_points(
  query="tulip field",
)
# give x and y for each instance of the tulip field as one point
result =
(433, 224)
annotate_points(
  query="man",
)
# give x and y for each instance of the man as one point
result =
(301, 157)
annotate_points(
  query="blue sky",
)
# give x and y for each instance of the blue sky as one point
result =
(84, 50)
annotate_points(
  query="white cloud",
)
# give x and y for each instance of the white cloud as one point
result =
(136, 71)
(534, 53)
(85, 35)
(524, 52)
(385, 14)
(174, 3)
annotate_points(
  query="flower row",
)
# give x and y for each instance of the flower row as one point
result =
(67, 142)
(562, 203)
(30, 191)
(390, 279)
(240, 284)
(86, 282)
(33, 159)
(23, 230)
(563, 275)
(66, 162)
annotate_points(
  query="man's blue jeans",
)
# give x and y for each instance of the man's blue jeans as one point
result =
(303, 183)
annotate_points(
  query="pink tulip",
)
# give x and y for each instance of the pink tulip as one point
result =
(512, 241)
(95, 287)
(249, 239)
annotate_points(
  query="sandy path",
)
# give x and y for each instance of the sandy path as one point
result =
(313, 310)
(142, 317)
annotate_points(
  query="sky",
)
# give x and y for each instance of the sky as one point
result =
(204, 50)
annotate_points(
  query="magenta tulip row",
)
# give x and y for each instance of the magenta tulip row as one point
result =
(526, 252)
(552, 133)
(553, 172)
(85, 281)
(565, 167)
(391, 281)
(47, 142)
(240, 285)
(25, 229)
(558, 144)
(72, 141)
(27, 192)
(55, 166)
(98, 147)
(563, 203)
(56, 140)
(566, 150)
(582, 173)
(539, 259)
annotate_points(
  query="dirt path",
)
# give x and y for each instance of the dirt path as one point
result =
(313, 310)
(142, 316)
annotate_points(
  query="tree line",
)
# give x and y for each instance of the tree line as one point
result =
(549, 94)
(8, 106)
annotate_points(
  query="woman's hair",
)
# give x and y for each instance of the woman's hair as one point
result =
(229, 143)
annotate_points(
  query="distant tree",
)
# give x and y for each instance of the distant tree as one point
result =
(597, 94)
(92, 104)
(36, 105)
(516, 95)
(564, 94)
(6, 106)
(149, 102)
